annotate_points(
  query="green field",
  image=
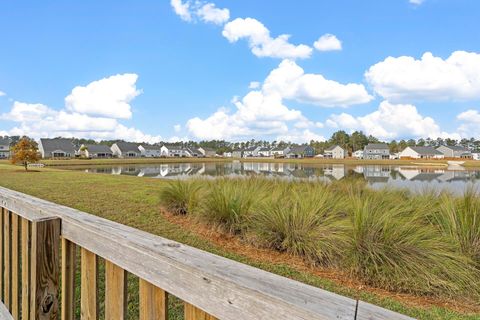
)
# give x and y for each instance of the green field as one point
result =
(136, 202)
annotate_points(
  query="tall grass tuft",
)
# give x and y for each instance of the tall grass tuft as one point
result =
(392, 247)
(181, 196)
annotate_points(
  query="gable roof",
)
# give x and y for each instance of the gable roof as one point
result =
(457, 148)
(57, 144)
(426, 151)
(150, 147)
(331, 148)
(299, 149)
(128, 147)
(280, 148)
(376, 146)
(98, 148)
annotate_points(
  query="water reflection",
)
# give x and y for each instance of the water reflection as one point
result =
(413, 177)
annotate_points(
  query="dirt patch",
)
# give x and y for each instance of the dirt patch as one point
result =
(235, 244)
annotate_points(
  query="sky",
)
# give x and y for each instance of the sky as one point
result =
(169, 70)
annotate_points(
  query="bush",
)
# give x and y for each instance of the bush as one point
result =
(181, 196)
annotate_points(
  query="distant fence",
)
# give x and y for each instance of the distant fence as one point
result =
(38, 247)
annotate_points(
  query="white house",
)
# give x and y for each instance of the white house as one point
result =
(455, 152)
(420, 153)
(476, 156)
(126, 150)
(358, 154)
(150, 151)
(279, 152)
(4, 148)
(227, 154)
(264, 152)
(96, 151)
(335, 152)
(207, 152)
(251, 152)
(174, 151)
(56, 148)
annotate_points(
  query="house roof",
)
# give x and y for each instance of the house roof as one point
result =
(331, 148)
(279, 148)
(98, 148)
(299, 149)
(174, 146)
(127, 146)
(264, 149)
(4, 141)
(250, 149)
(208, 149)
(426, 151)
(194, 150)
(150, 147)
(457, 148)
(58, 144)
(376, 146)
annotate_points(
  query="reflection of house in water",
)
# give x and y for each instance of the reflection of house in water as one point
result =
(375, 174)
(450, 176)
(335, 171)
(420, 174)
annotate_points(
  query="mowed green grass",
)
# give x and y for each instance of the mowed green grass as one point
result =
(135, 202)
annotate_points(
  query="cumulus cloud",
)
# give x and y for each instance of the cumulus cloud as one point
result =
(2, 94)
(106, 97)
(22, 112)
(209, 13)
(390, 121)
(328, 42)
(430, 78)
(301, 136)
(291, 81)
(254, 85)
(416, 2)
(470, 123)
(260, 41)
(182, 9)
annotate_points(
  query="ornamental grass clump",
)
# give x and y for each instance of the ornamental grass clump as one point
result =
(302, 220)
(392, 247)
(181, 196)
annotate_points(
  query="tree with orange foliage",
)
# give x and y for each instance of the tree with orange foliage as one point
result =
(25, 152)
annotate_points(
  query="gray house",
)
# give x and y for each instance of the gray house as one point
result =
(97, 151)
(56, 148)
(126, 150)
(335, 152)
(455, 152)
(303, 151)
(237, 153)
(279, 152)
(376, 151)
(4, 148)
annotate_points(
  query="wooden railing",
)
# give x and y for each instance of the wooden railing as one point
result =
(36, 232)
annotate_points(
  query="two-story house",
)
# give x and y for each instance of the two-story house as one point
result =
(376, 151)
(4, 148)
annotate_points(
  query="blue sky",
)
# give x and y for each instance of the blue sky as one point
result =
(167, 70)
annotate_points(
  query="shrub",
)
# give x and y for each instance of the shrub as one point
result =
(181, 196)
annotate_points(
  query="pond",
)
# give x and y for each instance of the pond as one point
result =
(417, 178)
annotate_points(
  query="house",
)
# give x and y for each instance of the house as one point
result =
(264, 152)
(376, 151)
(476, 156)
(208, 152)
(358, 154)
(303, 151)
(335, 152)
(126, 150)
(455, 152)
(56, 148)
(196, 152)
(227, 154)
(175, 151)
(279, 152)
(4, 148)
(150, 151)
(251, 152)
(237, 153)
(96, 151)
(421, 153)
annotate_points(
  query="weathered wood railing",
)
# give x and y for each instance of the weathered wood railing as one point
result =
(35, 232)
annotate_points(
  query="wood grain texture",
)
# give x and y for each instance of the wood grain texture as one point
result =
(44, 273)
(69, 256)
(15, 266)
(26, 252)
(367, 311)
(7, 260)
(223, 288)
(89, 289)
(115, 292)
(153, 302)
(193, 313)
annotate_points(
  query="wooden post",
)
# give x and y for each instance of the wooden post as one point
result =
(7, 259)
(153, 302)
(69, 256)
(45, 269)
(26, 263)
(89, 293)
(115, 292)
(15, 267)
(193, 313)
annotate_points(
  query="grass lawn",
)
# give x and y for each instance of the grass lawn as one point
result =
(135, 202)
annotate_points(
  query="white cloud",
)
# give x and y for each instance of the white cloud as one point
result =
(328, 42)
(430, 78)
(390, 121)
(106, 97)
(177, 128)
(470, 123)
(209, 13)
(260, 41)
(182, 9)
(290, 81)
(254, 85)
(301, 136)
(2, 94)
(416, 2)
(21, 112)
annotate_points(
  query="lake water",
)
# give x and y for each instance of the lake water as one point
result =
(416, 178)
